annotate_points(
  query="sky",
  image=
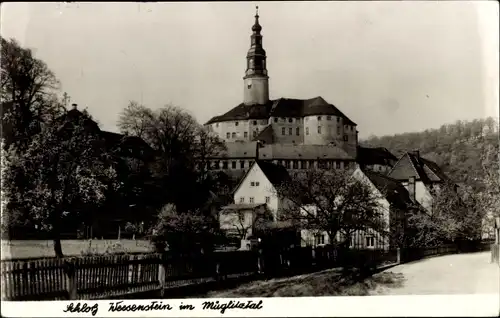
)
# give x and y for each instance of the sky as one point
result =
(391, 67)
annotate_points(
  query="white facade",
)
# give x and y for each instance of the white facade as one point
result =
(256, 188)
(422, 195)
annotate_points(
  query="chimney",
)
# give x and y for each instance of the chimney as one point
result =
(74, 106)
(416, 153)
(257, 148)
(411, 188)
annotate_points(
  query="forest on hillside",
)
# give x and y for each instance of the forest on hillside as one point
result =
(465, 150)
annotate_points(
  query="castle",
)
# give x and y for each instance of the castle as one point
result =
(296, 133)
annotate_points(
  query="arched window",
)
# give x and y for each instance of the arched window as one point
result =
(307, 130)
(297, 131)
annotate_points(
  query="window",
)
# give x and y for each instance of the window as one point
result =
(242, 200)
(242, 164)
(320, 239)
(254, 122)
(319, 129)
(283, 119)
(319, 118)
(245, 134)
(217, 125)
(307, 130)
(216, 165)
(370, 241)
(263, 122)
(297, 120)
(346, 165)
(287, 164)
(338, 119)
(338, 165)
(251, 199)
(255, 133)
(311, 164)
(257, 184)
(228, 135)
(233, 135)
(295, 164)
(275, 119)
(268, 199)
(328, 117)
(290, 120)
(297, 131)
(224, 165)
(236, 123)
(233, 164)
(252, 184)
(306, 119)
(338, 130)
(283, 131)
(290, 131)
(345, 138)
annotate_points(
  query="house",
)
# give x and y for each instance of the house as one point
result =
(420, 176)
(393, 200)
(375, 159)
(260, 184)
(241, 221)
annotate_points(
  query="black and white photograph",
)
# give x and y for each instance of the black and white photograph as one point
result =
(250, 158)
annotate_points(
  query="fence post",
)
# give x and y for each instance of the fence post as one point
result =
(162, 274)
(398, 259)
(71, 286)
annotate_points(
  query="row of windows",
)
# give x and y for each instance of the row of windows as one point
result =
(254, 184)
(290, 120)
(252, 200)
(289, 164)
(290, 131)
(235, 135)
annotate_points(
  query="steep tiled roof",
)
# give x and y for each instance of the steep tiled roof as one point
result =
(413, 165)
(393, 190)
(283, 107)
(276, 174)
(244, 150)
(370, 156)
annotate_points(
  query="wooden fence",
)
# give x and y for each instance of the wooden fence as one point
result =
(107, 276)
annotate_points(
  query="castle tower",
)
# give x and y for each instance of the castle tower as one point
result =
(256, 81)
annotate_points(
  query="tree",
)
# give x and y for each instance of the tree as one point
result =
(28, 89)
(244, 222)
(183, 232)
(183, 147)
(62, 177)
(342, 204)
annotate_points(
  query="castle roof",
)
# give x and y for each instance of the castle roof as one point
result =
(247, 150)
(283, 107)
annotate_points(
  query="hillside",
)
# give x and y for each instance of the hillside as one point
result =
(463, 149)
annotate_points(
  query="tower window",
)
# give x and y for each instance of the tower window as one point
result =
(283, 131)
(245, 134)
(228, 135)
(319, 117)
(290, 131)
(319, 129)
(236, 123)
(254, 122)
(290, 120)
(234, 135)
(275, 119)
(307, 130)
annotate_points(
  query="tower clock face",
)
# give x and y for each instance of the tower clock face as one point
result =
(249, 83)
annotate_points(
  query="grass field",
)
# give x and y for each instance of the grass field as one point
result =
(43, 248)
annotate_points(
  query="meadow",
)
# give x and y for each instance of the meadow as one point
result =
(15, 249)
